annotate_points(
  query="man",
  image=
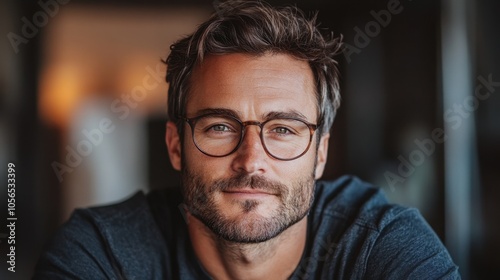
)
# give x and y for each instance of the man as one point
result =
(253, 94)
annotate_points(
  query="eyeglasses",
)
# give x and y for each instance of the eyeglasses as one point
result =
(221, 135)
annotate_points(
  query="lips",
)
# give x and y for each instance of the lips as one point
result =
(248, 191)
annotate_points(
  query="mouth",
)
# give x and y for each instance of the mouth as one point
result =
(248, 192)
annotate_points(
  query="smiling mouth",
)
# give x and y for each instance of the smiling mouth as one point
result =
(246, 191)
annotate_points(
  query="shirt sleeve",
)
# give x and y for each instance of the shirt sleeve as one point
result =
(76, 251)
(408, 248)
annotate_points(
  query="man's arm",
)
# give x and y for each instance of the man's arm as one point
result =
(77, 251)
(408, 248)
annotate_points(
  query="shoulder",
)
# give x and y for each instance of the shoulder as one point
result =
(350, 198)
(392, 240)
(103, 242)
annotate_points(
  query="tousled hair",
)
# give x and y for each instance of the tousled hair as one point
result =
(255, 27)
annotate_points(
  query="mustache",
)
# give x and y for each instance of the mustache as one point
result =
(246, 181)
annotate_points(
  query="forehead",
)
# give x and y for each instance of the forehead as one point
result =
(253, 86)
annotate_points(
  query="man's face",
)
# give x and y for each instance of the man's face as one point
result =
(249, 196)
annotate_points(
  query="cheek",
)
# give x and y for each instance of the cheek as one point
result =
(209, 168)
(296, 170)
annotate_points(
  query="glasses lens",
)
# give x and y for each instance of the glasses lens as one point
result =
(217, 135)
(286, 138)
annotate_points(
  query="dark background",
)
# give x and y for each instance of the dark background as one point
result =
(396, 88)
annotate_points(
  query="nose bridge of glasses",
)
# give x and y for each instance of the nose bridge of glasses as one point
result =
(247, 123)
(250, 123)
(245, 132)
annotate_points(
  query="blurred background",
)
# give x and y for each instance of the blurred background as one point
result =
(83, 110)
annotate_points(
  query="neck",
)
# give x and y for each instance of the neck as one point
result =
(276, 258)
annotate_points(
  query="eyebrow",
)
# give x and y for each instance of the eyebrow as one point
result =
(218, 111)
(294, 114)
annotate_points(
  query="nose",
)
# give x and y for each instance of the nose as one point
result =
(251, 158)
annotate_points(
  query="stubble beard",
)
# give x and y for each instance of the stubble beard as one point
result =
(294, 204)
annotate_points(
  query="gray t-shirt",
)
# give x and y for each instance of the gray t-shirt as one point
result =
(353, 233)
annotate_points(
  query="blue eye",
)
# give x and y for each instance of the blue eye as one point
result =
(282, 130)
(220, 127)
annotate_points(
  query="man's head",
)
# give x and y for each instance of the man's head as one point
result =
(252, 96)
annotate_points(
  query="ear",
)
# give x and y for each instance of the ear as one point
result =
(322, 155)
(173, 142)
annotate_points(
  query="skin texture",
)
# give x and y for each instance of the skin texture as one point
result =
(257, 203)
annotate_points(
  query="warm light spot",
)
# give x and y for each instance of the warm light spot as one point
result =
(60, 93)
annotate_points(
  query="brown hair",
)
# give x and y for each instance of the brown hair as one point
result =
(255, 27)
